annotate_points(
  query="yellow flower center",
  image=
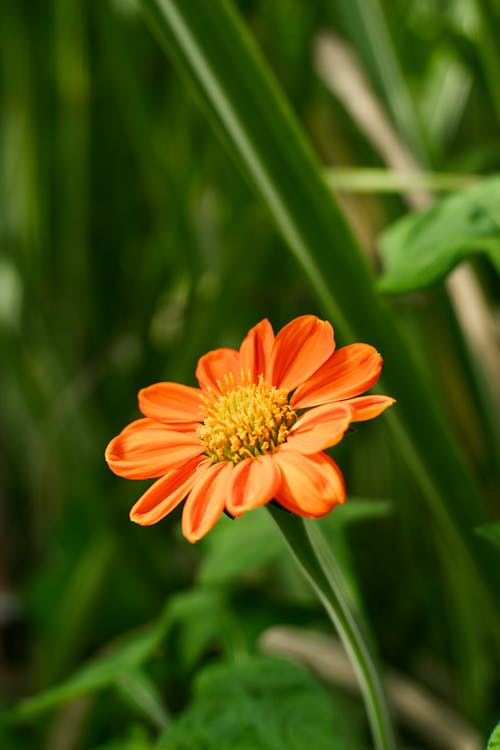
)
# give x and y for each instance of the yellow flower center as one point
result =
(245, 421)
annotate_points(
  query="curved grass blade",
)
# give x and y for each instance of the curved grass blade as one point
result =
(219, 58)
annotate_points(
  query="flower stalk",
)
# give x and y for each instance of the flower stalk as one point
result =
(311, 552)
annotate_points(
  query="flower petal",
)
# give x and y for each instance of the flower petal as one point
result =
(367, 407)
(255, 351)
(311, 485)
(319, 428)
(350, 371)
(299, 349)
(206, 501)
(171, 402)
(139, 424)
(146, 449)
(214, 365)
(254, 482)
(166, 493)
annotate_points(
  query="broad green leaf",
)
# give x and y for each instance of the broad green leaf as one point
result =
(101, 673)
(491, 531)
(237, 546)
(259, 704)
(494, 741)
(421, 249)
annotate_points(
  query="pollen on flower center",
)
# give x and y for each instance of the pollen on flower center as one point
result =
(245, 421)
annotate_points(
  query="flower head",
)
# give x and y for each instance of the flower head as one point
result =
(255, 430)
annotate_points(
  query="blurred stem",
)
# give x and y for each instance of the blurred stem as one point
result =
(311, 552)
(365, 180)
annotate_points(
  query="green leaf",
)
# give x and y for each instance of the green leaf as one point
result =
(101, 673)
(237, 546)
(421, 249)
(203, 620)
(136, 738)
(141, 692)
(494, 741)
(490, 531)
(259, 704)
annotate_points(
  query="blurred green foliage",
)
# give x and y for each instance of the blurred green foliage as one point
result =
(494, 740)
(273, 706)
(130, 244)
(422, 249)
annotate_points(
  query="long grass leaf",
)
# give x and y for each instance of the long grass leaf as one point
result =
(220, 59)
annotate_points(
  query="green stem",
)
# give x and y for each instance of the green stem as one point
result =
(310, 550)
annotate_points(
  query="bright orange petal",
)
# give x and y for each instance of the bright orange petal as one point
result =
(319, 428)
(311, 485)
(254, 483)
(214, 365)
(255, 351)
(171, 402)
(139, 424)
(206, 501)
(166, 493)
(146, 449)
(367, 407)
(349, 371)
(299, 349)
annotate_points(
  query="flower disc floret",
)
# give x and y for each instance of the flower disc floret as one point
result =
(246, 421)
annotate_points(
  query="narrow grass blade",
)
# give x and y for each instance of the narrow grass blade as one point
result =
(218, 56)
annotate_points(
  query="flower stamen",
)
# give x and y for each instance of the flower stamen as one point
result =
(245, 421)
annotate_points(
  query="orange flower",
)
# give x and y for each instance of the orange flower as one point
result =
(254, 430)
